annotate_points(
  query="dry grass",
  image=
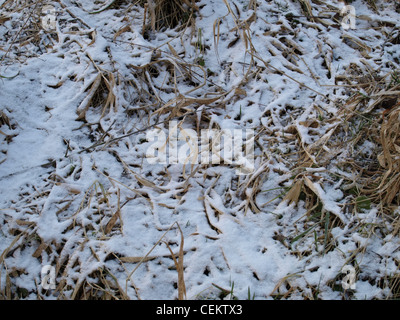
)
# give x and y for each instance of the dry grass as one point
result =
(378, 177)
(165, 14)
(371, 116)
(389, 159)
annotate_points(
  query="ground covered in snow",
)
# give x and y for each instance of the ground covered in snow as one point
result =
(79, 194)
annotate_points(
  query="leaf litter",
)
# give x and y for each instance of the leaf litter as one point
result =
(78, 194)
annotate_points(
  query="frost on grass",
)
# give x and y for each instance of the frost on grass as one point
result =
(78, 194)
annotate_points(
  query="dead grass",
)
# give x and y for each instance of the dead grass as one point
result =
(371, 114)
(164, 14)
(100, 94)
(389, 159)
(378, 173)
(23, 41)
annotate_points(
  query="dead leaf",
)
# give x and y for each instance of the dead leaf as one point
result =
(112, 222)
(294, 192)
(39, 250)
(121, 31)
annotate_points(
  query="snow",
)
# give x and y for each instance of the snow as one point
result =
(69, 205)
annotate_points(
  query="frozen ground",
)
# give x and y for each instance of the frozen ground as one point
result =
(106, 219)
